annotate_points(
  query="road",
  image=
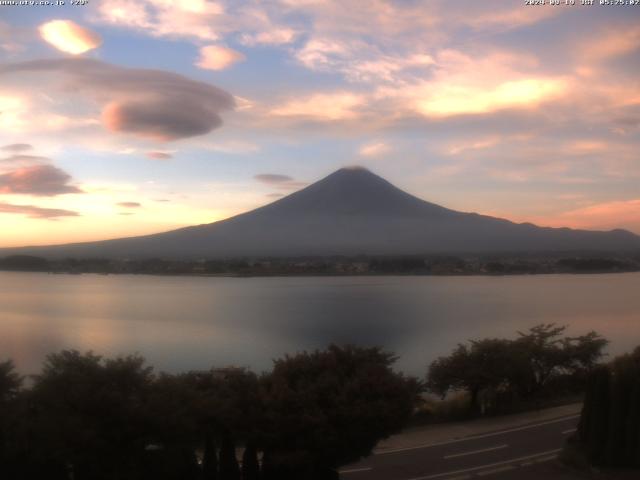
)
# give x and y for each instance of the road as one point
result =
(502, 453)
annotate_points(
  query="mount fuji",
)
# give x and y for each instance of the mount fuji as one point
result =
(350, 212)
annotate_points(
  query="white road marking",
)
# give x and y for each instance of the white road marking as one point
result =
(481, 467)
(475, 451)
(496, 470)
(475, 437)
(355, 470)
(571, 430)
(546, 459)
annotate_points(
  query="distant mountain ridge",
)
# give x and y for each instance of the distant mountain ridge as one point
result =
(350, 212)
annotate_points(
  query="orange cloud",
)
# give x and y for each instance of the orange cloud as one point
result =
(323, 106)
(215, 57)
(467, 98)
(69, 37)
(374, 149)
(602, 216)
(612, 43)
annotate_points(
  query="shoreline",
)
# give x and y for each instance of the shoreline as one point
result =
(319, 275)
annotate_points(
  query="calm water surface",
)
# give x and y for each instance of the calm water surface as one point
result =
(181, 323)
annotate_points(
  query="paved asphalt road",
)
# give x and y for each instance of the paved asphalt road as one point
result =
(502, 453)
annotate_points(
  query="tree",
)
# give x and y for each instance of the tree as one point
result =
(609, 428)
(549, 354)
(329, 408)
(89, 413)
(250, 465)
(483, 364)
(521, 367)
(229, 468)
(10, 386)
(210, 459)
(10, 382)
(593, 425)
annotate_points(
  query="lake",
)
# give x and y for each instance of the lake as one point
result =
(181, 323)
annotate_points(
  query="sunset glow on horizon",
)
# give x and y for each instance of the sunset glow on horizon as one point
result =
(128, 117)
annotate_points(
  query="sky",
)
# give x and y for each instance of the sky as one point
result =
(126, 117)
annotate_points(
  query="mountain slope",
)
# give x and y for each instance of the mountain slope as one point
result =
(350, 212)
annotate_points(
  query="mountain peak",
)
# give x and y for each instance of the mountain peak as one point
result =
(354, 190)
(350, 212)
(353, 175)
(354, 168)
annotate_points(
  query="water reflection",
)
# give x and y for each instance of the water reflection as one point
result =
(194, 322)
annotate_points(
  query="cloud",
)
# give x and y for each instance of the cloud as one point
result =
(501, 19)
(612, 42)
(38, 180)
(281, 182)
(69, 37)
(13, 38)
(159, 155)
(275, 195)
(23, 160)
(215, 57)
(36, 212)
(200, 20)
(272, 178)
(152, 104)
(162, 119)
(374, 149)
(276, 36)
(476, 144)
(323, 106)
(359, 62)
(129, 204)
(17, 147)
(605, 215)
(456, 99)
(166, 18)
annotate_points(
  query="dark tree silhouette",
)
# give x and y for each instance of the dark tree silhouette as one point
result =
(89, 413)
(210, 459)
(229, 468)
(90, 418)
(10, 382)
(609, 428)
(250, 465)
(329, 408)
(522, 367)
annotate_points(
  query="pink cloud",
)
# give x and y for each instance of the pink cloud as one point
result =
(38, 180)
(606, 215)
(216, 57)
(159, 155)
(36, 212)
(147, 103)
